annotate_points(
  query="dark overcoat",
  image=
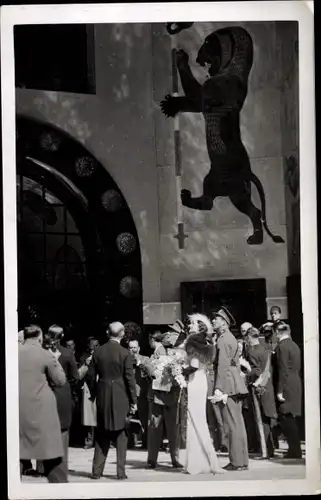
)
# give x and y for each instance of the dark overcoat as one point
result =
(142, 381)
(64, 394)
(257, 356)
(115, 390)
(288, 357)
(227, 370)
(39, 426)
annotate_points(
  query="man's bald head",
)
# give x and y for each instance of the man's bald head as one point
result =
(116, 330)
(245, 328)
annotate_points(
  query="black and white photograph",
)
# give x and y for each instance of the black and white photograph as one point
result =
(160, 250)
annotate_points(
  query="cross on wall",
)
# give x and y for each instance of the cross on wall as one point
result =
(181, 236)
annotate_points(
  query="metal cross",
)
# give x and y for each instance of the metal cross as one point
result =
(181, 236)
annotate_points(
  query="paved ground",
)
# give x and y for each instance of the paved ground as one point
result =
(80, 462)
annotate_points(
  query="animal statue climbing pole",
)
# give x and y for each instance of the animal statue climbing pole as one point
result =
(228, 56)
(173, 29)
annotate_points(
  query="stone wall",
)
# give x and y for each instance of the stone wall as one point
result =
(124, 128)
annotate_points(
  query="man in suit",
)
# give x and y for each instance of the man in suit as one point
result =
(88, 407)
(115, 393)
(268, 334)
(268, 339)
(64, 394)
(163, 409)
(71, 345)
(259, 358)
(39, 426)
(230, 389)
(289, 387)
(141, 390)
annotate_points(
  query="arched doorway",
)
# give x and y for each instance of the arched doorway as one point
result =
(79, 261)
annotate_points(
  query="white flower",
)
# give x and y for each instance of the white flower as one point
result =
(168, 369)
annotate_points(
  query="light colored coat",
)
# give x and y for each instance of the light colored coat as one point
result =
(39, 425)
(88, 407)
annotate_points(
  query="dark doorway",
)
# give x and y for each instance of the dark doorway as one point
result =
(245, 299)
(79, 261)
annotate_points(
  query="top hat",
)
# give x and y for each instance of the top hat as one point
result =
(178, 326)
(226, 315)
(170, 339)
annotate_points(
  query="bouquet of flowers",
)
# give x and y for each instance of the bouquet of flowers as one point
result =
(168, 372)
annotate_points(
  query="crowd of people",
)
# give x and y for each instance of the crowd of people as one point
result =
(203, 389)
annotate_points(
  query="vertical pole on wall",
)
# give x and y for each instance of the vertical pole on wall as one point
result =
(177, 153)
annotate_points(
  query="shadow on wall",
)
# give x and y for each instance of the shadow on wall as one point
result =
(64, 109)
(125, 37)
(292, 177)
(215, 250)
(123, 46)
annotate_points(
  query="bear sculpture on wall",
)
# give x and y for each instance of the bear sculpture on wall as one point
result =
(228, 55)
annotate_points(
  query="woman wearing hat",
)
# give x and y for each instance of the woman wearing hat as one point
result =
(201, 457)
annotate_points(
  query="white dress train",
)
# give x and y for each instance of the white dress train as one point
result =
(201, 457)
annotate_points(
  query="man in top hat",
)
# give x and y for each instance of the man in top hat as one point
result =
(163, 405)
(265, 413)
(175, 338)
(176, 335)
(230, 389)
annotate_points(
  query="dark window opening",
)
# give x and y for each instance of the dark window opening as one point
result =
(50, 251)
(55, 57)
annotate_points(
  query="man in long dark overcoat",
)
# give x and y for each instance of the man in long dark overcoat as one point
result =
(115, 394)
(289, 387)
(39, 426)
(230, 389)
(259, 357)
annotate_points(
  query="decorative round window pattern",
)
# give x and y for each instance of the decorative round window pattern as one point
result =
(49, 141)
(103, 233)
(85, 166)
(129, 287)
(126, 243)
(111, 200)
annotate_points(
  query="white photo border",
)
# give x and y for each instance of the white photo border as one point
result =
(163, 12)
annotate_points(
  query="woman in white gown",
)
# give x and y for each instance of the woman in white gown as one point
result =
(201, 457)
